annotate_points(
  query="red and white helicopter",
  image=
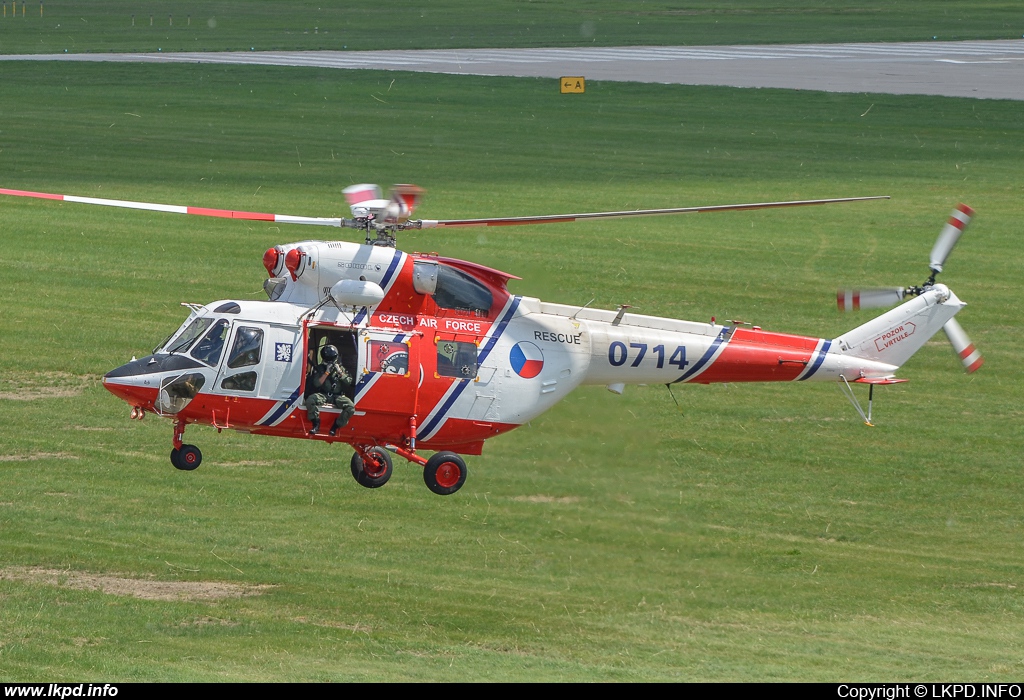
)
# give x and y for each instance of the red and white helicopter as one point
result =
(444, 356)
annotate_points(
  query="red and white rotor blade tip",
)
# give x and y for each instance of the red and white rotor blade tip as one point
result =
(969, 355)
(357, 194)
(949, 235)
(405, 198)
(854, 299)
(410, 195)
(179, 209)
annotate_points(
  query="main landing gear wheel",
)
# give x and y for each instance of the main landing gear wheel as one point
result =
(187, 458)
(374, 471)
(445, 473)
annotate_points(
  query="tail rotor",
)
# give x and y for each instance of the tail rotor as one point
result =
(881, 297)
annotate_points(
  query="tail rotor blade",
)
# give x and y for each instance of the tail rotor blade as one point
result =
(854, 299)
(950, 234)
(969, 355)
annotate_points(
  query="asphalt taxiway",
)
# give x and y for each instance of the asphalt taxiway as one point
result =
(980, 69)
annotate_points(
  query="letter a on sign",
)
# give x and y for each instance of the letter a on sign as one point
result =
(572, 84)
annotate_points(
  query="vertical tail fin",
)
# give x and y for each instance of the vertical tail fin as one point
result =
(896, 335)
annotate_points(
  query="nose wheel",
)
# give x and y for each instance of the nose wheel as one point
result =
(186, 458)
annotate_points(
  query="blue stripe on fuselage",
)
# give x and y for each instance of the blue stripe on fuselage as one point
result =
(818, 360)
(434, 422)
(722, 337)
(280, 410)
(384, 281)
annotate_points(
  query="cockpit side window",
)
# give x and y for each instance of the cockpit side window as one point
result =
(246, 350)
(184, 341)
(208, 349)
(459, 291)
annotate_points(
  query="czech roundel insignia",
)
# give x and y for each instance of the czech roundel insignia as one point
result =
(527, 360)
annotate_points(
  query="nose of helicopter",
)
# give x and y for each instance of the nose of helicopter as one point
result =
(129, 386)
(137, 382)
(126, 392)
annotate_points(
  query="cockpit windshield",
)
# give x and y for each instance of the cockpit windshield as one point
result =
(208, 349)
(184, 341)
(162, 343)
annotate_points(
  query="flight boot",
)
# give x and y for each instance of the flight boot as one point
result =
(340, 422)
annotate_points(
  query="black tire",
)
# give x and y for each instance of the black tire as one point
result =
(375, 474)
(188, 458)
(445, 473)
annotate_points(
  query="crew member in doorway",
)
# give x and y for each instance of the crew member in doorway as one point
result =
(330, 382)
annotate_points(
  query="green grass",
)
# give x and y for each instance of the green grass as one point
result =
(762, 533)
(265, 25)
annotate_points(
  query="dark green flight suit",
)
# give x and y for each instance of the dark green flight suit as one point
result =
(329, 383)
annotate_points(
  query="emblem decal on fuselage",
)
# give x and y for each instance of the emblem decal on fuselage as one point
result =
(283, 352)
(527, 359)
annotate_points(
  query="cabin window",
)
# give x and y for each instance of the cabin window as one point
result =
(246, 350)
(184, 341)
(461, 292)
(208, 349)
(244, 381)
(456, 359)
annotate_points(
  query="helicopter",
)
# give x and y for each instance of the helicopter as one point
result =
(444, 357)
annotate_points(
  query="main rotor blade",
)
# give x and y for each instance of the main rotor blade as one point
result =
(962, 345)
(854, 299)
(566, 218)
(177, 209)
(425, 223)
(949, 235)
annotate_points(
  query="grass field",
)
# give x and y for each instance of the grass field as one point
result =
(271, 25)
(760, 533)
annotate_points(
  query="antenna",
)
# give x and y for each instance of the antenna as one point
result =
(573, 317)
